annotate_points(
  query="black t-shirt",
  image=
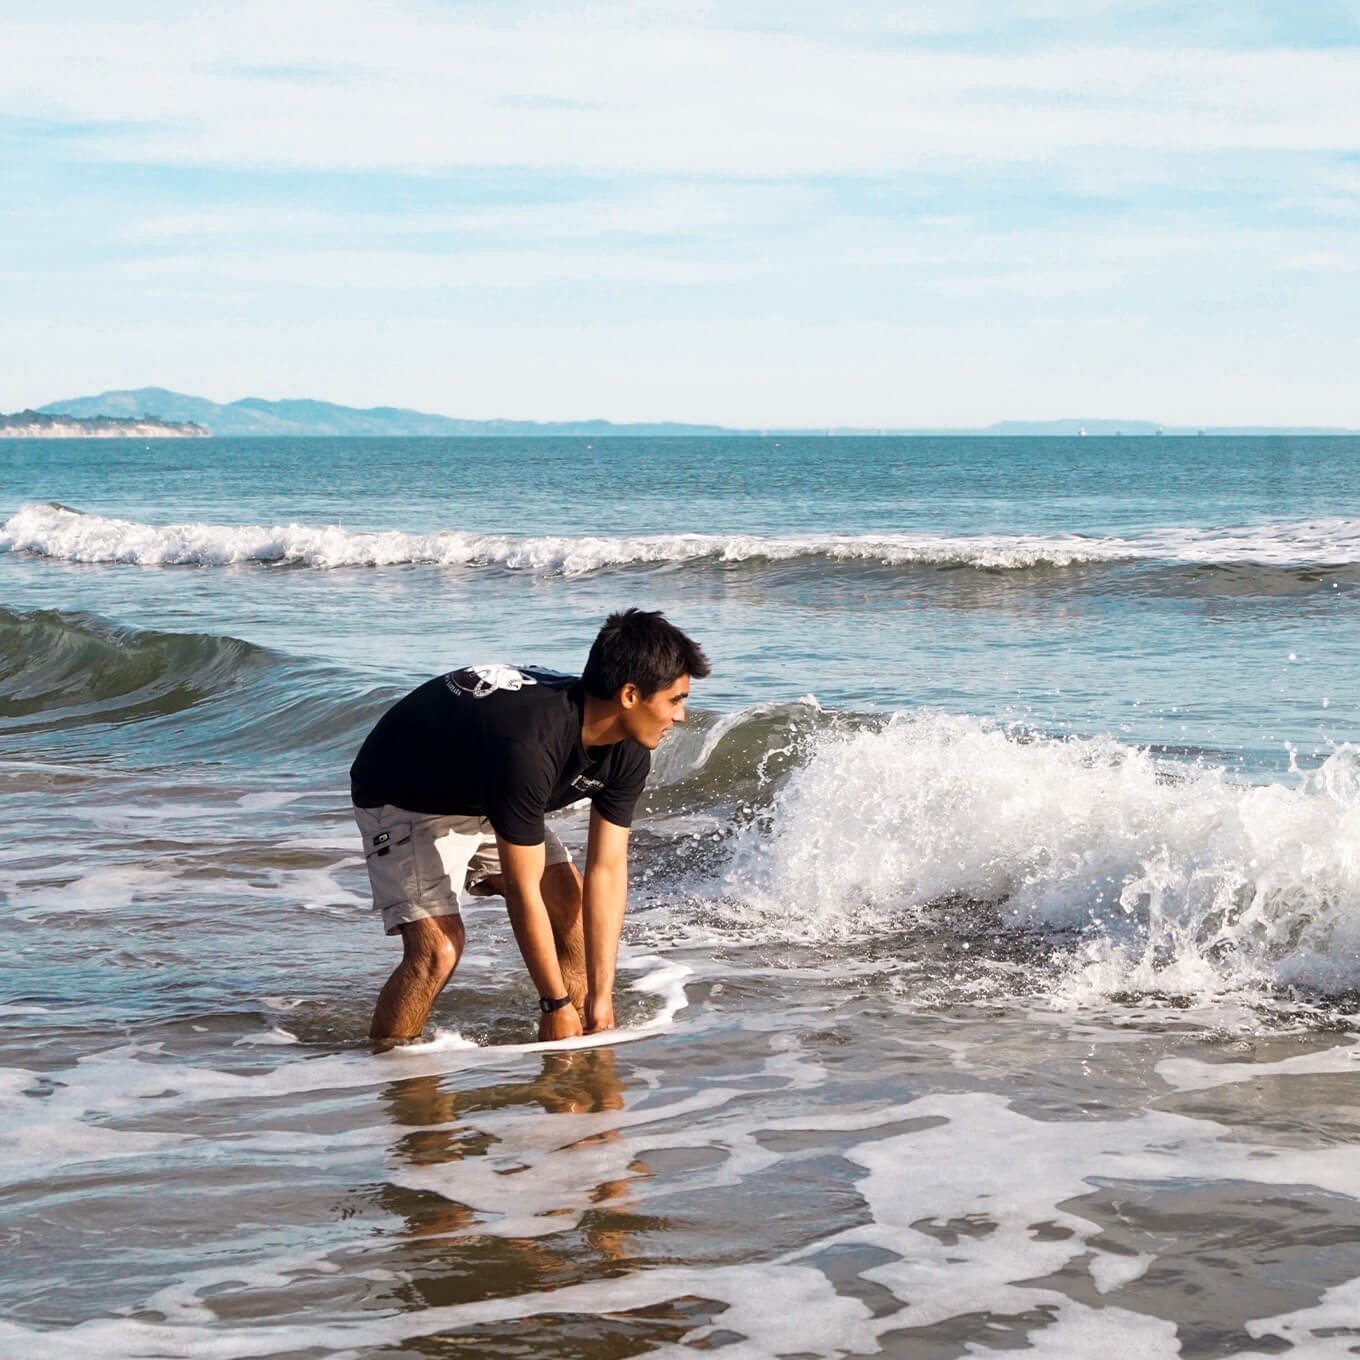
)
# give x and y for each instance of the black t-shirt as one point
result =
(501, 742)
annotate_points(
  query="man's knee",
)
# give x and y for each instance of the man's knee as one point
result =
(435, 945)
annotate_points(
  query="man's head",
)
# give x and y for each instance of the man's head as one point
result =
(644, 665)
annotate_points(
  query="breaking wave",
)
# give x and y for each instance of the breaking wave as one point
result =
(1170, 878)
(58, 532)
(1156, 875)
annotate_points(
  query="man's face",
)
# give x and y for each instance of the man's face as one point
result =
(648, 718)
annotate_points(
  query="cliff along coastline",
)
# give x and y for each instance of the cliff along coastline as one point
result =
(37, 425)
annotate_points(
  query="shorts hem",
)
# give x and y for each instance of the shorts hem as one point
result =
(407, 913)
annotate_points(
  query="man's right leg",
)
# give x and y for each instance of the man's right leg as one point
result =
(431, 950)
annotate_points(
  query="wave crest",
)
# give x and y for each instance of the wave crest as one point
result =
(64, 670)
(64, 534)
(74, 682)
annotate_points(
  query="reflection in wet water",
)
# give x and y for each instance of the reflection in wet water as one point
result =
(459, 1144)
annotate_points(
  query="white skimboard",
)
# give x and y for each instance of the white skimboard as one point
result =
(665, 980)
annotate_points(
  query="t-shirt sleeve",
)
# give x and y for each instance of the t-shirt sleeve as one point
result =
(616, 801)
(516, 785)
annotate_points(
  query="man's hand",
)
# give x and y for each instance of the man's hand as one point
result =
(599, 1014)
(559, 1024)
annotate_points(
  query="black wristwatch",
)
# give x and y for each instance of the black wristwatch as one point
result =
(547, 1005)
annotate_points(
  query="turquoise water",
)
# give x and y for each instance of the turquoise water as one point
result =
(1228, 635)
(994, 935)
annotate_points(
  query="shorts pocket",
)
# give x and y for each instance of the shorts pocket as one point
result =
(392, 870)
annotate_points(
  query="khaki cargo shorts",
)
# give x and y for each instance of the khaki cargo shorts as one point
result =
(415, 859)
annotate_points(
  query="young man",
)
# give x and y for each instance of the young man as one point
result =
(450, 791)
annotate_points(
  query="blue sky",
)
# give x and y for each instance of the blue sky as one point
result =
(752, 213)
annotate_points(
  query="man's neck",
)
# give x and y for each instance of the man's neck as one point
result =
(600, 725)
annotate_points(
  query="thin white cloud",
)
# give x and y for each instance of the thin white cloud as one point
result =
(423, 271)
(632, 210)
(770, 211)
(1320, 262)
(414, 88)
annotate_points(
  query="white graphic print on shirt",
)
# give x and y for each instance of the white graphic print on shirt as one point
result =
(479, 681)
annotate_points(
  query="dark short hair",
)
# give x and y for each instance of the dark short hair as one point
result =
(639, 647)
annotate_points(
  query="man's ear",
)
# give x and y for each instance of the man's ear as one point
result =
(629, 695)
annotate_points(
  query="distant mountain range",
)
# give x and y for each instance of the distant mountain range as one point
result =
(253, 416)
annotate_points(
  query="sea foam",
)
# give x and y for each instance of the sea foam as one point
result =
(1173, 878)
(64, 534)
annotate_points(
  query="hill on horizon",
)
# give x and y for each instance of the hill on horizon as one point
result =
(303, 416)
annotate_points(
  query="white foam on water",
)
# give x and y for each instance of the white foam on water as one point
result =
(1080, 1333)
(140, 818)
(761, 1296)
(542, 1174)
(1110, 1272)
(1331, 541)
(915, 1184)
(1189, 1074)
(267, 802)
(267, 1039)
(1176, 878)
(1329, 1330)
(440, 1041)
(1006, 1174)
(65, 1128)
(317, 889)
(790, 1061)
(664, 979)
(786, 1310)
(539, 1176)
(929, 1176)
(15, 1080)
(341, 838)
(68, 535)
(40, 1135)
(183, 1301)
(110, 889)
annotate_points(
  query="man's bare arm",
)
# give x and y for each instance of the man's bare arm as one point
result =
(522, 866)
(606, 898)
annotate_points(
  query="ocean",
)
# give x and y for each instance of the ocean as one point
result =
(991, 978)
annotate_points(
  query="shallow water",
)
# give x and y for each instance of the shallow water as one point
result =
(993, 953)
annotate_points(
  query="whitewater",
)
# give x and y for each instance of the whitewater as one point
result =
(991, 979)
(68, 535)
